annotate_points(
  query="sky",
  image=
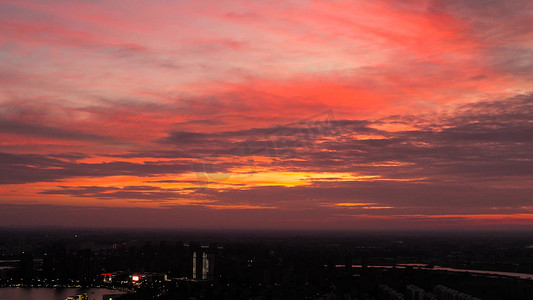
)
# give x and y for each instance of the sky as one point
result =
(349, 115)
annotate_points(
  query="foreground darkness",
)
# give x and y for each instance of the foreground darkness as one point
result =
(269, 264)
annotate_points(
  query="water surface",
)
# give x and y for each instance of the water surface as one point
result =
(51, 293)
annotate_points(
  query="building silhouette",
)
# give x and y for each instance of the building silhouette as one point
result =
(203, 263)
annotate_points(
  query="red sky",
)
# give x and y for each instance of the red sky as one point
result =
(267, 114)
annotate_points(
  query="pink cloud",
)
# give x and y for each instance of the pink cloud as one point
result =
(101, 84)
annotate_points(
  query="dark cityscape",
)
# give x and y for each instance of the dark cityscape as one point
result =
(144, 264)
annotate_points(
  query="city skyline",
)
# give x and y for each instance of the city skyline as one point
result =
(349, 115)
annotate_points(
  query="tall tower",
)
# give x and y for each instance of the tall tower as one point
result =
(194, 266)
(202, 265)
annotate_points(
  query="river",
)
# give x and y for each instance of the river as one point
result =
(438, 268)
(52, 293)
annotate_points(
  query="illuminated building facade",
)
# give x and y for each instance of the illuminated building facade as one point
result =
(202, 265)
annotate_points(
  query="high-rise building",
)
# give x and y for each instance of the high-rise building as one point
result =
(26, 266)
(202, 265)
(413, 292)
(446, 293)
(387, 293)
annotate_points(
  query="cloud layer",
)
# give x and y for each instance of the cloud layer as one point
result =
(321, 114)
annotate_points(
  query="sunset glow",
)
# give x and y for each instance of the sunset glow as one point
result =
(260, 114)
